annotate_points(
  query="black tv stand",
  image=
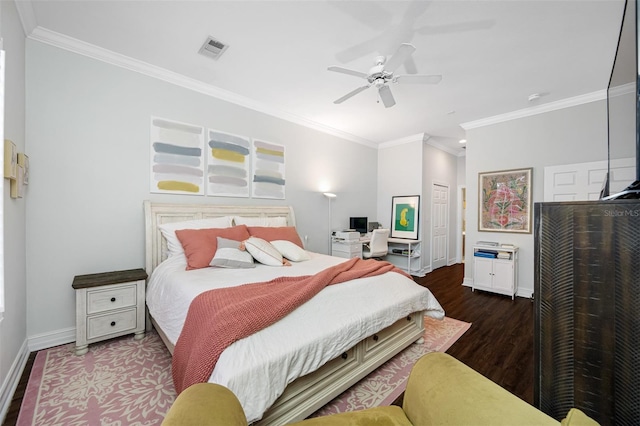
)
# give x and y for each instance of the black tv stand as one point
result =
(631, 192)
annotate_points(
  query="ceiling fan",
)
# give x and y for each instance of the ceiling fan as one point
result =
(382, 73)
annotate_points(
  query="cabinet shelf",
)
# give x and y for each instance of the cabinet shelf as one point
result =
(406, 255)
(495, 269)
(413, 256)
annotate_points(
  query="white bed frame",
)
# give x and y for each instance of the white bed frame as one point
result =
(307, 394)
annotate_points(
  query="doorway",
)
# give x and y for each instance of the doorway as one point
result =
(440, 225)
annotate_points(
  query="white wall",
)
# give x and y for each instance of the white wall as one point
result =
(439, 168)
(88, 136)
(400, 171)
(13, 327)
(571, 135)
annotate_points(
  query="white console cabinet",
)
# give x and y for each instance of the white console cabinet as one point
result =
(498, 275)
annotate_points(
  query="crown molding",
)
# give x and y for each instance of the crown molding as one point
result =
(27, 16)
(441, 147)
(623, 89)
(62, 41)
(423, 138)
(540, 109)
(419, 137)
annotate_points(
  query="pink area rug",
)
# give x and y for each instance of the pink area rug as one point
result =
(387, 383)
(128, 382)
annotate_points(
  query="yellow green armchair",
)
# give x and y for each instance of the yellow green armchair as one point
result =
(441, 391)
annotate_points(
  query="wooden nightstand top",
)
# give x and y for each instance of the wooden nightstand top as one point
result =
(106, 278)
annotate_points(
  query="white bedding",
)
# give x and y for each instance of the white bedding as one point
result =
(258, 368)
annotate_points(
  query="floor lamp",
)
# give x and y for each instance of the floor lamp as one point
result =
(330, 196)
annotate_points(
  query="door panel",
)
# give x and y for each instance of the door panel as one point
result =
(440, 225)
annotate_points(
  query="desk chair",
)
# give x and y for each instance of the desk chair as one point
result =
(378, 246)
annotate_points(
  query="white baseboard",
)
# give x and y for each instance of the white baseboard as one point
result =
(13, 379)
(524, 292)
(32, 344)
(54, 338)
(521, 292)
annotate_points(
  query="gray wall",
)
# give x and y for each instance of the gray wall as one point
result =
(88, 136)
(13, 327)
(572, 135)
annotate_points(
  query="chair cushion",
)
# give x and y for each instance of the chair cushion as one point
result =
(379, 416)
(442, 390)
(576, 417)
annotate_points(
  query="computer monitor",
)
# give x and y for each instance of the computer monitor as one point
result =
(358, 224)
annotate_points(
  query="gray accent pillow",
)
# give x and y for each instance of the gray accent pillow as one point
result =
(229, 255)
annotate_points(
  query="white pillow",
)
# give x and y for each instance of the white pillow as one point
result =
(229, 255)
(290, 250)
(263, 251)
(260, 221)
(168, 230)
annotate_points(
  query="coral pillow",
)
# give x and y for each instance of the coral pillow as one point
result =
(288, 233)
(168, 230)
(201, 244)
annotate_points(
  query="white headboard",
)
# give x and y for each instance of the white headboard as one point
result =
(158, 213)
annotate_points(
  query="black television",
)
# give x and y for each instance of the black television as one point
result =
(623, 105)
(358, 224)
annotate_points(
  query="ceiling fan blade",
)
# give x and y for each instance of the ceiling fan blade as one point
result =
(348, 71)
(386, 96)
(417, 79)
(370, 14)
(360, 50)
(410, 65)
(350, 94)
(402, 54)
(458, 27)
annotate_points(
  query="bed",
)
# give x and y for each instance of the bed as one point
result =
(292, 368)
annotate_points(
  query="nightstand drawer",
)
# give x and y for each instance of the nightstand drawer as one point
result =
(113, 322)
(110, 299)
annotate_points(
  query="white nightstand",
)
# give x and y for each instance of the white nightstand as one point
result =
(108, 305)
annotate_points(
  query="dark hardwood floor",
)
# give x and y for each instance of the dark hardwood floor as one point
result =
(14, 409)
(499, 344)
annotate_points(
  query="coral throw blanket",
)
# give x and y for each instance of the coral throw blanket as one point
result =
(219, 317)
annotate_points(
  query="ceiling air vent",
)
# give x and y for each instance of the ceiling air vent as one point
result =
(212, 48)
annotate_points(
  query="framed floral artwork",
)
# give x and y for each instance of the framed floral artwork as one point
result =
(505, 201)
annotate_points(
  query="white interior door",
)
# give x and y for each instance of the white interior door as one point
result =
(583, 181)
(440, 225)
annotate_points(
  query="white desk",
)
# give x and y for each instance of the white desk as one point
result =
(401, 243)
(353, 248)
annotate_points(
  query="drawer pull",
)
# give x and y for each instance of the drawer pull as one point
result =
(409, 318)
(113, 323)
(344, 355)
(375, 337)
(113, 299)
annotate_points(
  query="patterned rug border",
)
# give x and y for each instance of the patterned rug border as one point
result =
(464, 327)
(153, 405)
